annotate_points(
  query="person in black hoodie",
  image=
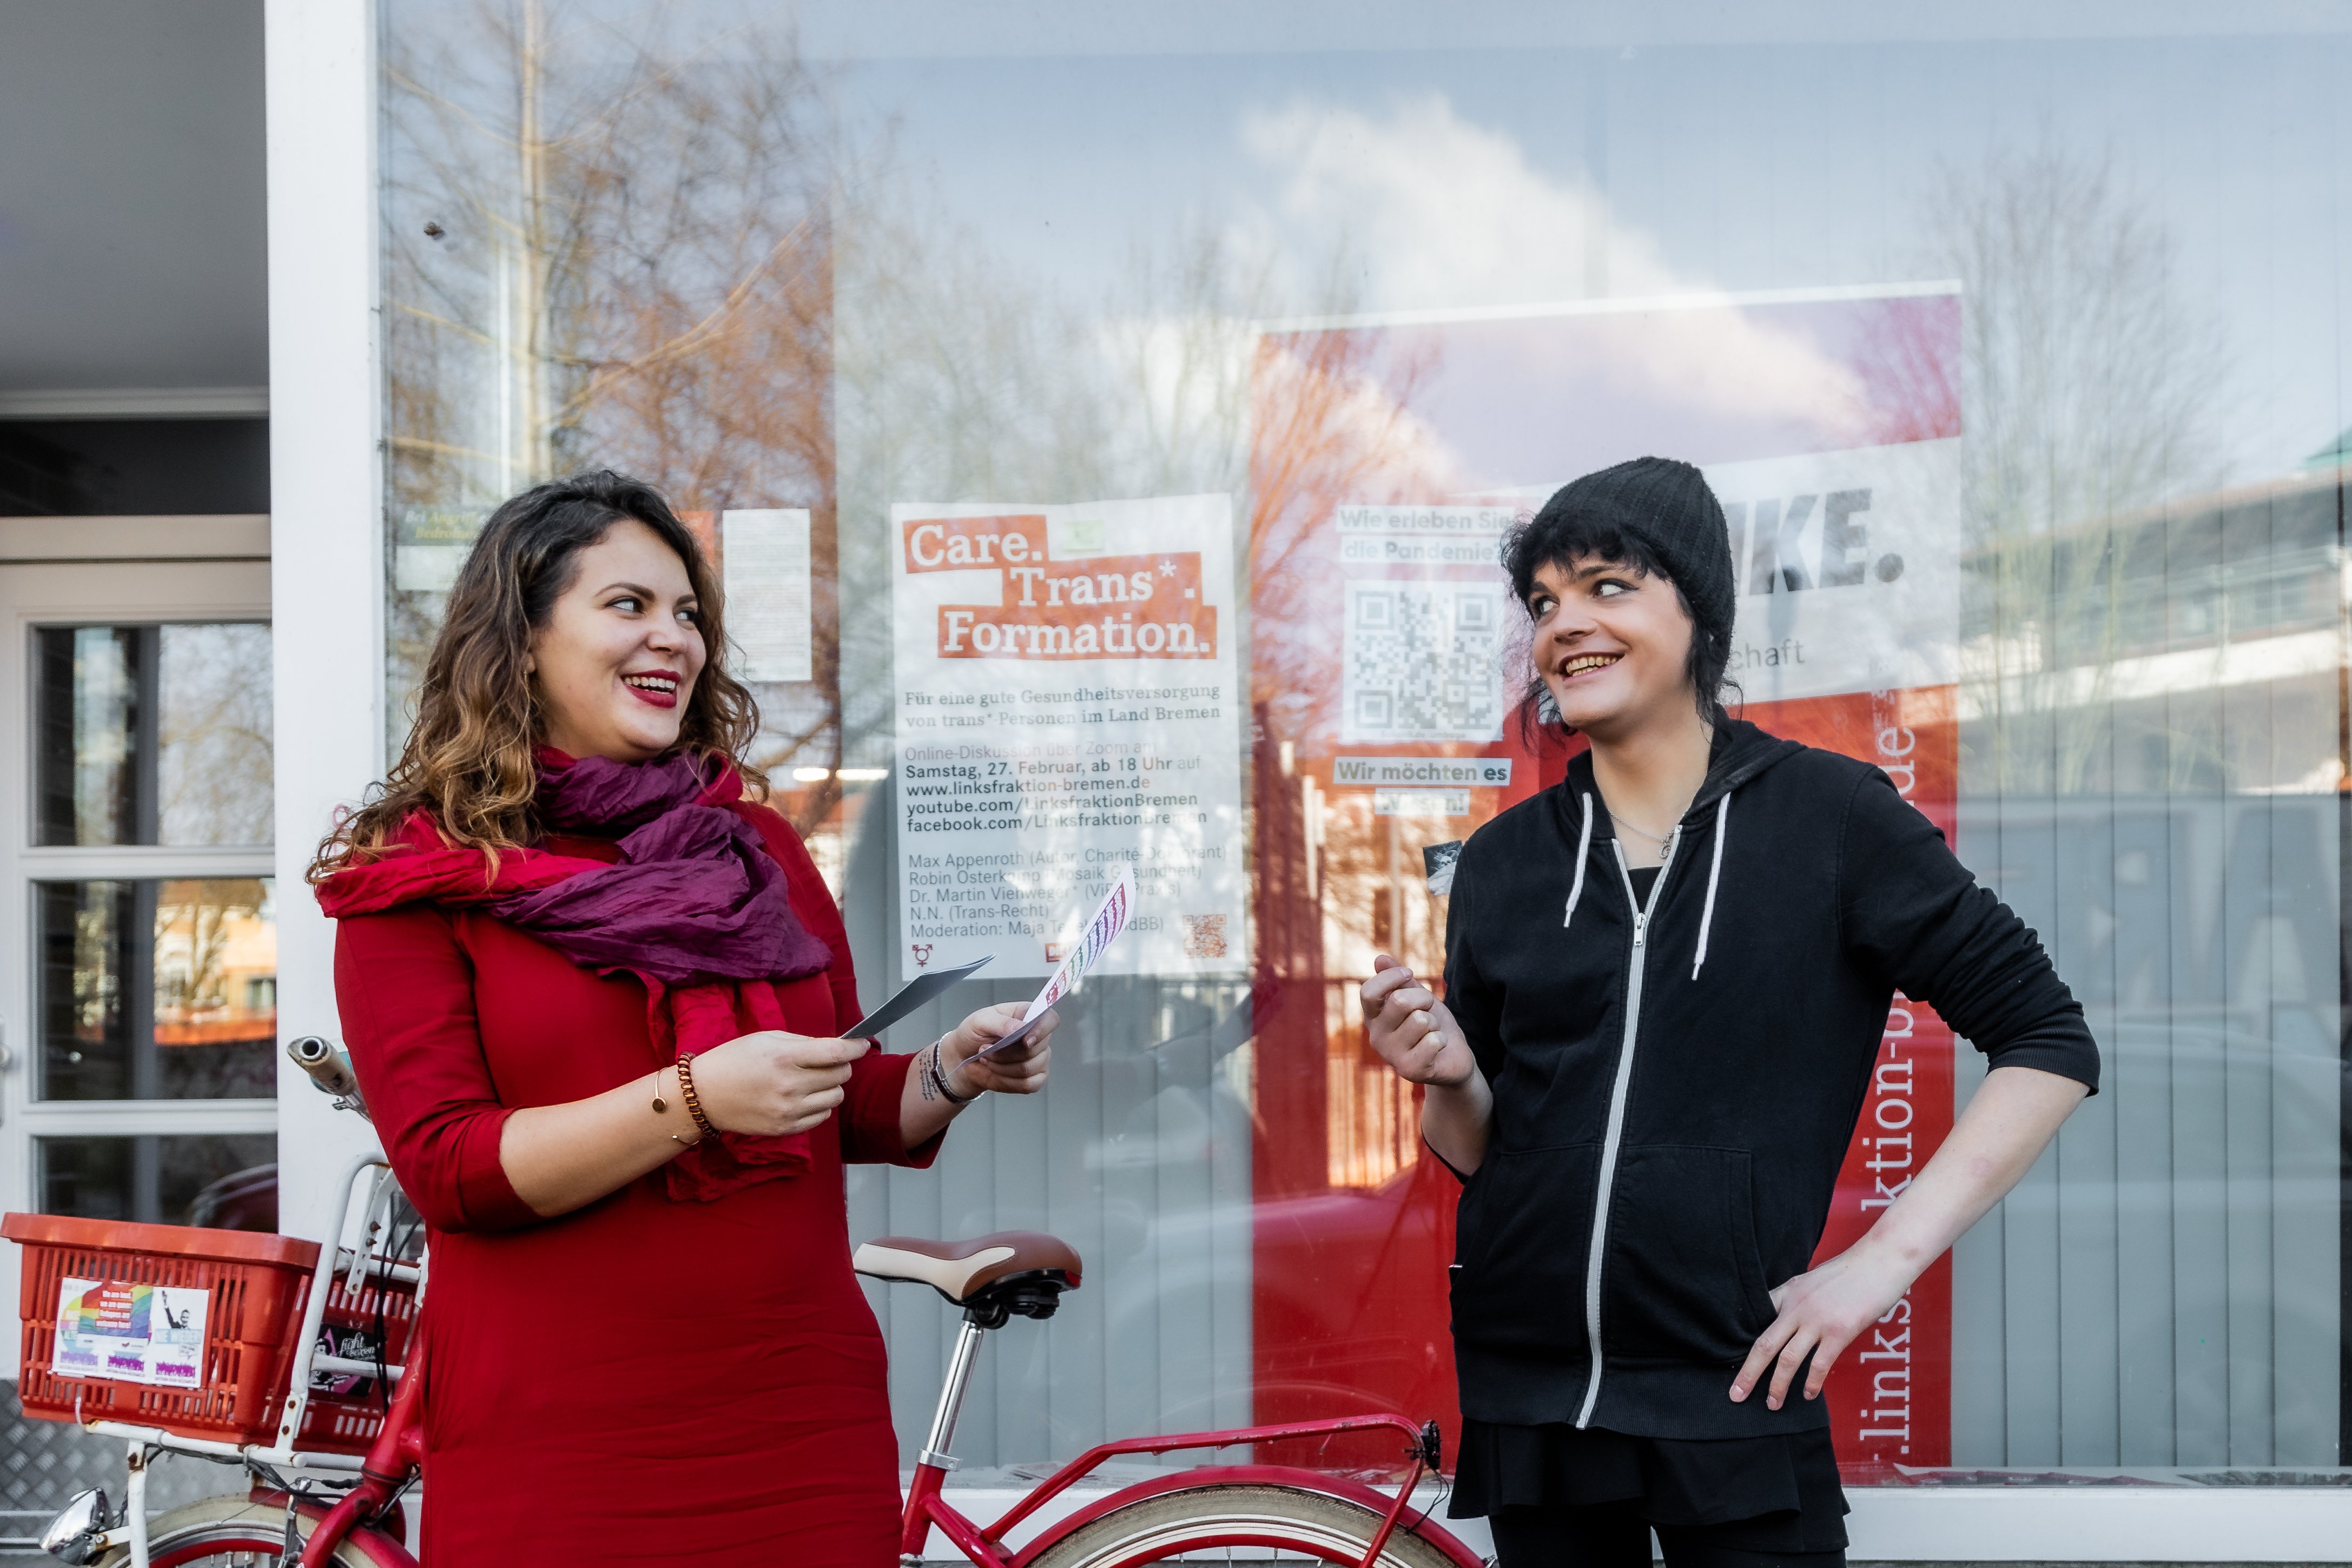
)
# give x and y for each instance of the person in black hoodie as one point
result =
(1666, 982)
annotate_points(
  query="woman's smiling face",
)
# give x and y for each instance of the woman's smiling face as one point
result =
(1612, 643)
(620, 651)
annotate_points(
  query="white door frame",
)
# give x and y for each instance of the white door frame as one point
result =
(101, 571)
(327, 502)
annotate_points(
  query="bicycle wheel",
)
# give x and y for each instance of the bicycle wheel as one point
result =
(223, 1532)
(1295, 1519)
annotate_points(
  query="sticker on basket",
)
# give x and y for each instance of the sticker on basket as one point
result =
(131, 1332)
(351, 1344)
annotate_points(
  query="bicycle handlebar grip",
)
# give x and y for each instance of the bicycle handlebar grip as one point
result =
(329, 1065)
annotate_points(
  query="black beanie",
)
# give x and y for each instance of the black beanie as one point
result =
(1667, 505)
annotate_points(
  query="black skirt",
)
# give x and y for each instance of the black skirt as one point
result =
(1783, 1490)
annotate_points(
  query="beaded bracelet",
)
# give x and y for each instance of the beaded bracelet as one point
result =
(686, 1091)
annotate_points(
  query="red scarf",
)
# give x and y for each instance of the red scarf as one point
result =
(417, 866)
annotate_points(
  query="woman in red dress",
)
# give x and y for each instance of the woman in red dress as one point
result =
(591, 988)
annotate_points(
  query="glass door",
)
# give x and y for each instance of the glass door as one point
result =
(137, 951)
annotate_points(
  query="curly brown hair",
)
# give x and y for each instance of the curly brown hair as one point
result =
(468, 761)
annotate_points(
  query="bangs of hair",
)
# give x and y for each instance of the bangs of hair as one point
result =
(1565, 538)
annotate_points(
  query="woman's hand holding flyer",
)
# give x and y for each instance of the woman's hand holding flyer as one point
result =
(1109, 918)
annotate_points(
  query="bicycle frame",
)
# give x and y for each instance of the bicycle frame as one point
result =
(926, 1506)
(396, 1455)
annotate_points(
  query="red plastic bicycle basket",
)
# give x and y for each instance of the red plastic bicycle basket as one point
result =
(256, 1284)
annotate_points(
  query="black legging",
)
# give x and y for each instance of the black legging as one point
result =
(1615, 1535)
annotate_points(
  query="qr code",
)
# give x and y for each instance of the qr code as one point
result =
(1204, 936)
(1422, 662)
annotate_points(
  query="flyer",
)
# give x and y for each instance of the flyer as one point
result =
(130, 1333)
(1111, 917)
(1067, 707)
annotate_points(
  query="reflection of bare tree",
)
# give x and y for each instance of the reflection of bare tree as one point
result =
(194, 924)
(2091, 387)
(960, 380)
(954, 380)
(603, 254)
(213, 755)
(1333, 425)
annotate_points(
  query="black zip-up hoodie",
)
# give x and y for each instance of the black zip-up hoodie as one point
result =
(1676, 1091)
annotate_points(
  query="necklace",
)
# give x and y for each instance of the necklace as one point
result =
(1663, 843)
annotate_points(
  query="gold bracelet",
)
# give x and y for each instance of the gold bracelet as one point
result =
(685, 1092)
(661, 1108)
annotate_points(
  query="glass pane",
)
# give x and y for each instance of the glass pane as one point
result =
(2026, 409)
(225, 1181)
(153, 735)
(86, 714)
(158, 989)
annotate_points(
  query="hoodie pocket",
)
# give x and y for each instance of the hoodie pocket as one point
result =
(1520, 1238)
(1684, 1278)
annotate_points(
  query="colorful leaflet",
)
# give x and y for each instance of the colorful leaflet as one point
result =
(1109, 918)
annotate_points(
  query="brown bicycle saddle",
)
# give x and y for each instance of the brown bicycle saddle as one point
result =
(961, 1270)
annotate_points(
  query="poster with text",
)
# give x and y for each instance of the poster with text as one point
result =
(1066, 706)
(130, 1333)
(1390, 457)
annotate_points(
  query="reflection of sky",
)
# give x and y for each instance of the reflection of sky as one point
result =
(1460, 176)
(1537, 400)
(1472, 155)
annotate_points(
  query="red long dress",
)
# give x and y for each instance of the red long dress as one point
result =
(640, 1380)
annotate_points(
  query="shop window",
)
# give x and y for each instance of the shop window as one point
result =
(2027, 427)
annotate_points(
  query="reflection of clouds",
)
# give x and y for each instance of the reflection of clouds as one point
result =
(1359, 408)
(1450, 216)
(1443, 212)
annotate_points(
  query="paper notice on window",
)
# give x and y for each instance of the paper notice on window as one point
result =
(768, 592)
(1849, 568)
(130, 1333)
(1068, 708)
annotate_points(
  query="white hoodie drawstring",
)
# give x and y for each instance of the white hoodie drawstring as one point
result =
(1583, 845)
(1714, 876)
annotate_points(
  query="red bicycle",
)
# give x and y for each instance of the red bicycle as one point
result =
(349, 1511)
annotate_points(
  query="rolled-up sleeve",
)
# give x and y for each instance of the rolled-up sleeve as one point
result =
(1911, 910)
(872, 1130)
(406, 989)
(872, 1133)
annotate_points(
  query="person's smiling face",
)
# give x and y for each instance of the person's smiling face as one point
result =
(620, 651)
(1612, 643)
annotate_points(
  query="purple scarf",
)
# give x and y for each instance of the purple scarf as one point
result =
(695, 896)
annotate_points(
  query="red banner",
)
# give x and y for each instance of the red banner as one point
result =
(1891, 1395)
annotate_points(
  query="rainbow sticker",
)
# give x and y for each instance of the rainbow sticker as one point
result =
(131, 1332)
